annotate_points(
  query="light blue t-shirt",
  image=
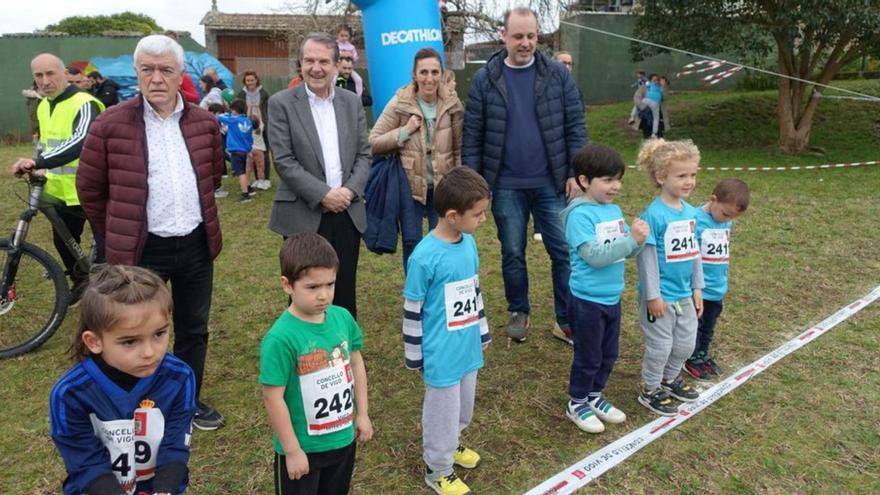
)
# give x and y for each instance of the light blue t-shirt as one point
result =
(673, 233)
(655, 92)
(445, 277)
(603, 223)
(714, 239)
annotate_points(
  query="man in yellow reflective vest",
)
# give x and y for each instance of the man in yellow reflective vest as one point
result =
(65, 114)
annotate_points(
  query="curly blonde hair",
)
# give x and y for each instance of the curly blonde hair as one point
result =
(656, 155)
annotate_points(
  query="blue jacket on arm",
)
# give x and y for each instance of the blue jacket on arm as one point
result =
(559, 109)
(388, 199)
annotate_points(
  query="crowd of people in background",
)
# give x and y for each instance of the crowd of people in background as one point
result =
(527, 150)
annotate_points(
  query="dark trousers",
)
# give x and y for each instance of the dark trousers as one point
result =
(706, 329)
(414, 224)
(185, 262)
(595, 330)
(329, 473)
(346, 240)
(74, 219)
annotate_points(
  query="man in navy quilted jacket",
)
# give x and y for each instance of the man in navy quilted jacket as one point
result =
(524, 122)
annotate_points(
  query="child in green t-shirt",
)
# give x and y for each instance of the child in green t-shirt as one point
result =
(313, 376)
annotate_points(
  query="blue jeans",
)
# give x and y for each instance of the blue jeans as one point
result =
(415, 223)
(511, 209)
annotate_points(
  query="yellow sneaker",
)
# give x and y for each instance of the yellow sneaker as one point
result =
(447, 485)
(466, 457)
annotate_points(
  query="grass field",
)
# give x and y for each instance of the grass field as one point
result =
(806, 246)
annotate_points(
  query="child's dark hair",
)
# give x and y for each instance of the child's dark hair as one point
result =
(216, 108)
(597, 160)
(303, 251)
(110, 292)
(733, 191)
(459, 190)
(238, 106)
(256, 123)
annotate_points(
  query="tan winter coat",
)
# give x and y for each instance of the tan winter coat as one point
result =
(446, 149)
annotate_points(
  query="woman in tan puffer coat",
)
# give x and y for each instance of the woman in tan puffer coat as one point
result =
(423, 124)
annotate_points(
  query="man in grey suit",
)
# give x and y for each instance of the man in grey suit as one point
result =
(319, 137)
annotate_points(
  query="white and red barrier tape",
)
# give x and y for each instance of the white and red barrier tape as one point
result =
(787, 168)
(594, 465)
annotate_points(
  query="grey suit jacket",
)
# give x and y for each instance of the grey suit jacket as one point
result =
(300, 162)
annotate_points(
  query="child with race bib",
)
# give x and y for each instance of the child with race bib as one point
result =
(598, 241)
(729, 199)
(122, 416)
(444, 326)
(313, 376)
(670, 275)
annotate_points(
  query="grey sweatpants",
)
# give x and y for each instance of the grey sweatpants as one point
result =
(446, 412)
(669, 341)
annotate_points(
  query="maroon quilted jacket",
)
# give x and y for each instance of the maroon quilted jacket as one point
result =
(112, 176)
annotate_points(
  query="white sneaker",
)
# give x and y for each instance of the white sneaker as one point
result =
(219, 193)
(538, 237)
(583, 416)
(265, 184)
(607, 412)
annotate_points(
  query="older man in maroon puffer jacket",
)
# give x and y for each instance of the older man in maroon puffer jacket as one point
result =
(146, 181)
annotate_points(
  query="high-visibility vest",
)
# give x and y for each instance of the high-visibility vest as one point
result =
(55, 128)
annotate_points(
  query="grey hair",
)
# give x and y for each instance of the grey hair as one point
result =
(157, 45)
(324, 39)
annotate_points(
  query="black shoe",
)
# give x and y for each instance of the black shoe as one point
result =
(712, 367)
(658, 401)
(697, 368)
(77, 289)
(207, 418)
(680, 390)
(251, 192)
(244, 198)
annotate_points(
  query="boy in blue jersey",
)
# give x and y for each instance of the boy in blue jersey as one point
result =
(729, 199)
(444, 326)
(313, 376)
(598, 241)
(121, 418)
(239, 141)
(670, 275)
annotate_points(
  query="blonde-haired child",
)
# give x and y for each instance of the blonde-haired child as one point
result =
(670, 274)
(122, 416)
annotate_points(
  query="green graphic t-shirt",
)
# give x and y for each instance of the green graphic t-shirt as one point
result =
(313, 362)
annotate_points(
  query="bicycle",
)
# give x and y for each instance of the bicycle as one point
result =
(34, 296)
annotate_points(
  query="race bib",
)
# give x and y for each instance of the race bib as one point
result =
(133, 444)
(608, 232)
(715, 246)
(461, 304)
(680, 241)
(328, 397)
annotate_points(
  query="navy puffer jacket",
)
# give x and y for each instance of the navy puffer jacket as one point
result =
(559, 109)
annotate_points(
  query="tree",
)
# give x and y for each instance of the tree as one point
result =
(811, 40)
(478, 18)
(98, 24)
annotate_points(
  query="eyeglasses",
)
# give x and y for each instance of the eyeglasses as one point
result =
(570, 64)
(346, 59)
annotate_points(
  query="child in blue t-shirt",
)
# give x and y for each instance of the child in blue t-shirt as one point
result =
(444, 326)
(121, 418)
(729, 199)
(239, 141)
(598, 241)
(670, 274)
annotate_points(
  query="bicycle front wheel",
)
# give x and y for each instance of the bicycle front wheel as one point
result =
(36, 304)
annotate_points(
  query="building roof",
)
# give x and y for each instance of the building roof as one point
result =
(222, 21)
